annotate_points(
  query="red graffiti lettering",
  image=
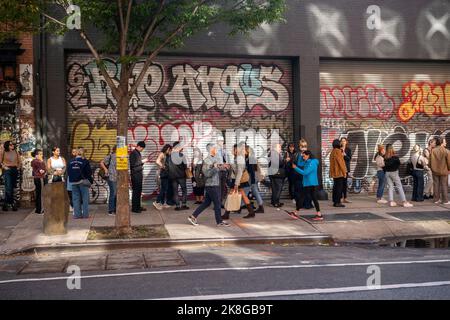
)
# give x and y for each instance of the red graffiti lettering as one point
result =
(356, 103)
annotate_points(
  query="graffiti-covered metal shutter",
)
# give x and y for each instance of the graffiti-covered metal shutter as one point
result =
(372, 102)
(192, 100)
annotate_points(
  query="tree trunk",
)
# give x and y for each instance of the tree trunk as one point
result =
(123, 223)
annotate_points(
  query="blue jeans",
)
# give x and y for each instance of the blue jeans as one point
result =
(212, 194)
(80, 194)
(381, 175)
(10, 177)
(418, 185)
(256, 194)
(163, 191)
(112, 202)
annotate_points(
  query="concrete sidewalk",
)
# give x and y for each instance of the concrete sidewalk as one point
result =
(363, 221)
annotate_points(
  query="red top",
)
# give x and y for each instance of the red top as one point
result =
(38, 165)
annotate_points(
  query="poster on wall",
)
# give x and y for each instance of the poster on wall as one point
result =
(26, 79)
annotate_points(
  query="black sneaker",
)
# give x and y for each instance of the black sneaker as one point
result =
(111, 213)
(185, 207)
(178, 209)
(14, 208)
(5, 208)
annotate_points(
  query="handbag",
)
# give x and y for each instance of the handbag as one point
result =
(233, 201)
(245, 177)
(86, 183)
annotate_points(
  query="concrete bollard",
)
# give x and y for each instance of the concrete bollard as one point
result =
(56, 208)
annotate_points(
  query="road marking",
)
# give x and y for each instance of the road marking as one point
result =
(308, 291)
(301, 266)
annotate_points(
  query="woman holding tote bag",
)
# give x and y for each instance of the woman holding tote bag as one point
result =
(240, 180)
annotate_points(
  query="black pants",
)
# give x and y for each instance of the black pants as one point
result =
(277, 187)
(308, 192)
(345, 187)
(338, 189)
(136, 185)
(293, 180)
(39, 183)
(182, 183)
(223, 185)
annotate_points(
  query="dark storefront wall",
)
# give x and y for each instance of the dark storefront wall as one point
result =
(372, 102)
(182, 99)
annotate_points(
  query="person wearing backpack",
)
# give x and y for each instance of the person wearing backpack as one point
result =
(109, 166)
(211, 170)
(418, 162)
(177, 175)
(80, 176)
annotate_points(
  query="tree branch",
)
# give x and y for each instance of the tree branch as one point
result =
(150, 30)
(98, 59)
(150, 58)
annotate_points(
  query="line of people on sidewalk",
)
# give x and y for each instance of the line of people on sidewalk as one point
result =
(432, 163)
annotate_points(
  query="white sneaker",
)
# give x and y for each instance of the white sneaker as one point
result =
(193, 220)
(382, 201)
(71, 209)
(408, 205)
(447, 203)
(392, 204)
(293, 201)
(166, 206)
(224, 224)
(438, 202)
(157, 205)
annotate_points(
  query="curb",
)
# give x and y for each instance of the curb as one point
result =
(323, 239)
(390, 240)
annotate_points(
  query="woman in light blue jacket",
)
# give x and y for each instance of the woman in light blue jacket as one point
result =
(310, 183)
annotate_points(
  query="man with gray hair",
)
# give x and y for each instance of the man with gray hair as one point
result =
(211, 171)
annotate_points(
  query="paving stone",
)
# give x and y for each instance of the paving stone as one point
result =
(125, 261)
(162, 256)
(89, 264)
(167, 263)
(45, 266)
(12, 266)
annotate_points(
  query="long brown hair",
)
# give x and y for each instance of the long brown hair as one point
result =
(390, 152)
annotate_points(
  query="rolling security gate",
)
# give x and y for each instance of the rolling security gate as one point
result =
(381, 102)
(190, 100)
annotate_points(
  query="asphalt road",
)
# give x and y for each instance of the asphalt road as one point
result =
(259, 272)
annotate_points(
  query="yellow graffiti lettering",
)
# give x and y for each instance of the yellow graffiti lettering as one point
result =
(446, 102)
(429, 100)
(97, 140)
(406, 111)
